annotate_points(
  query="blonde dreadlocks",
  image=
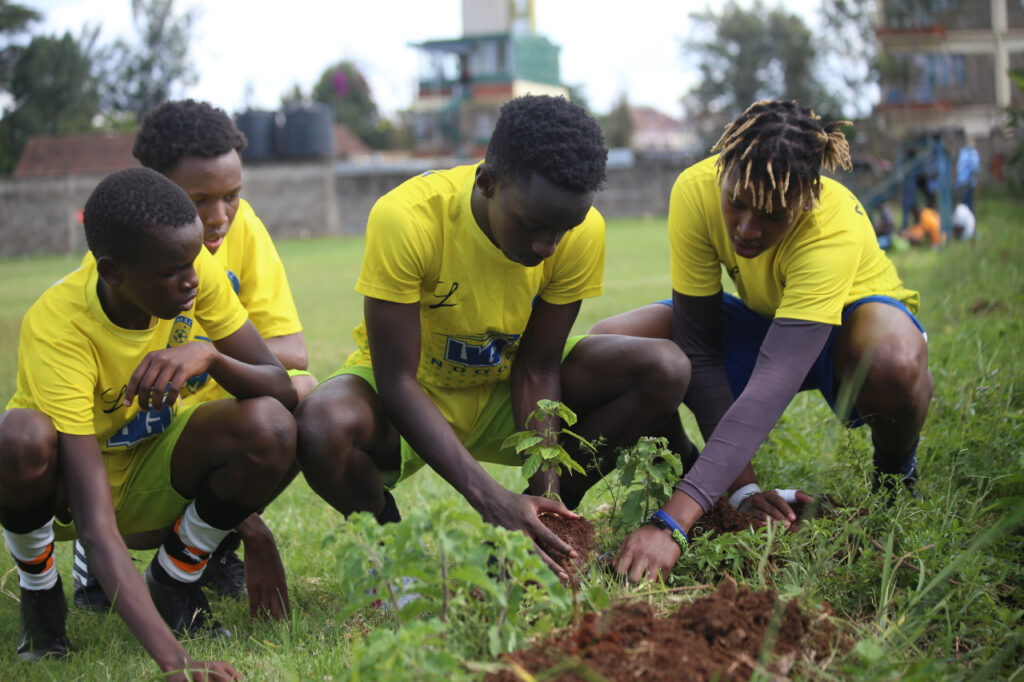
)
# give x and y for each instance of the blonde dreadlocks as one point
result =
(779, 146)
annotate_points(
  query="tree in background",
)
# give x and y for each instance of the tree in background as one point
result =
(617, 125)
(14, 20)
(53, 92)
(345, 90)
(750, 54)
(850, 53)
(156, 67)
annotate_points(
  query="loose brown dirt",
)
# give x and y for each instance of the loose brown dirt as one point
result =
(726, 636)
(578, 534)
(724, 518)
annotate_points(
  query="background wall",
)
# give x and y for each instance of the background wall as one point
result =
(293, 200)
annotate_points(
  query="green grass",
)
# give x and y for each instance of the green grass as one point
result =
(928, 590)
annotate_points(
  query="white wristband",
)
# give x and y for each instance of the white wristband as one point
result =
(743, 493)
(788, 495)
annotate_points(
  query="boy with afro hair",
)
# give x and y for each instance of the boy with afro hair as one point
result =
(472, 279)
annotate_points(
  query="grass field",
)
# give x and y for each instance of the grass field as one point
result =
(929, 590)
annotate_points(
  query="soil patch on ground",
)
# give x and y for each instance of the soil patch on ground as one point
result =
(578, 534)
(722, 636)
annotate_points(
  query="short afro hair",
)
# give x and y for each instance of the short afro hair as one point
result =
(552, 137)
(173, 130)
(126, 205)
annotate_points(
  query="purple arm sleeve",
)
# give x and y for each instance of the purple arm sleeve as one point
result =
(786, 355)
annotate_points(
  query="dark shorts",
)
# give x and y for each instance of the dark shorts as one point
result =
(743, 332)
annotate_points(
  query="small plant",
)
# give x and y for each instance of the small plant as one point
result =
(648, 472)
(542, 450)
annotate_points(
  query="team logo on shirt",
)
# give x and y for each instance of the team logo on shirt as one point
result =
(179, 331)
(484, 350)
(235, 284)
(144, 425)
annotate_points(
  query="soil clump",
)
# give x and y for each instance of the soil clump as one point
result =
(578, 534)
(719, 637)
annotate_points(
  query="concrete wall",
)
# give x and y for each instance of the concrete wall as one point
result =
(40, 215)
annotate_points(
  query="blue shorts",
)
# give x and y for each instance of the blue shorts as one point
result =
(743, 332)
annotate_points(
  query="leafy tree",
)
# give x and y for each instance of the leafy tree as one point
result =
(750, 54)
(343, 88)
(141, 75)
(53, 92)
(850, 53)
(617, 125)
(14, 20)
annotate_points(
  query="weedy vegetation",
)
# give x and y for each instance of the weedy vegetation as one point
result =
(930, 589)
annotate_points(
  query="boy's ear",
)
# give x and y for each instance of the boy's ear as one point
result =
(109, 271)
(485, 180)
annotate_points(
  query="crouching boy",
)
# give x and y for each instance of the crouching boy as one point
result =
(94, 443)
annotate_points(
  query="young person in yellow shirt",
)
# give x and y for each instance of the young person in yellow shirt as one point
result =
(198, 147)
(95, 442)
(472, 280)
(817, 300)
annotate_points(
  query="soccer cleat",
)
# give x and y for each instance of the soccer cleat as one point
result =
(225, 572)
(888, 484)
(43, 614)
(183, 606)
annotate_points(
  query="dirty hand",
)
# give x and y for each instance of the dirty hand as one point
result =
(520, 512)
(648, 552)
(775, 505)
(158, 379)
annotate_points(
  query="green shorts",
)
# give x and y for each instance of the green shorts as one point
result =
(147, 500)
(495, 424)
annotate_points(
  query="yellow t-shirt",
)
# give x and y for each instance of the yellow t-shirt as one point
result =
(424, 246)
(258, 277)
(830, 259)
(74, 363)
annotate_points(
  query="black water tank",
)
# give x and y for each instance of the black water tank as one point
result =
(260, 129)
(308, 132)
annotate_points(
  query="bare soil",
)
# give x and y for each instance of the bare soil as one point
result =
(724, 518)
(578, 534)
(726, 636)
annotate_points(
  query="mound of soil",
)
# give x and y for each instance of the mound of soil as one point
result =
(718, 637)
(578, 534)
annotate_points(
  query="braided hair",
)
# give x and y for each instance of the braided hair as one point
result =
(779, 146)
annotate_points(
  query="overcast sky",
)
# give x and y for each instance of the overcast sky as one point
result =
(608, 46)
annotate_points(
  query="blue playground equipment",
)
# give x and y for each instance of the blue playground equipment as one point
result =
(923, 157)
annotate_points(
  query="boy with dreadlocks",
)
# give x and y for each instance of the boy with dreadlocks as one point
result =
(820, 306)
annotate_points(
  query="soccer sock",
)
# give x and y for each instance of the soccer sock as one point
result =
(33, 553)
(905, 465)
(80, 572)
(390, 512)
(205, 523)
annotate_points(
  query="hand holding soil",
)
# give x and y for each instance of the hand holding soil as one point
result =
(647, 553)
(521, 512)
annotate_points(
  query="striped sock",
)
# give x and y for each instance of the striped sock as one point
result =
(80, 572)
(185, 553)
(33, 553)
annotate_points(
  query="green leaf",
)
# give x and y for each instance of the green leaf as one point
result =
(531, 465)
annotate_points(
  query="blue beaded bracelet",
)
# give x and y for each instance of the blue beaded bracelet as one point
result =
(670, 524)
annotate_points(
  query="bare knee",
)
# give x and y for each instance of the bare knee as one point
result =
(28, 456)
(898, 379)
(330, 425)
(269, 434)
(664, 372)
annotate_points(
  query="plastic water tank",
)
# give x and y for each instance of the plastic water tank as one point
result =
(260, 129)
(308, 132)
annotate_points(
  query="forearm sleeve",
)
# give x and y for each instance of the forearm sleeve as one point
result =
(697, 330)
(787, 354)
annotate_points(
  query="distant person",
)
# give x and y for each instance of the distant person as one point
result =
(95, 442)
(963, 227)
(967, 165)
(198, 147)
(885, 226)
(472, 279)
(817, 298)
(926, 230)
